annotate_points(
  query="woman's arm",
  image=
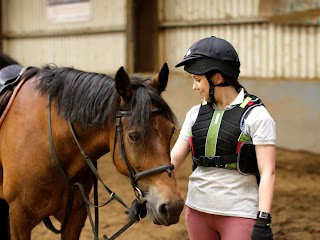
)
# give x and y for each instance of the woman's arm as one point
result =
(179, 153)
(266, 155)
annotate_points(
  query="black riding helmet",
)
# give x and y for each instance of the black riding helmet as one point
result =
(209, 55)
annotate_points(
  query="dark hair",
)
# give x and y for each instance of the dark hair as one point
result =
(91, 99)
(232, 81)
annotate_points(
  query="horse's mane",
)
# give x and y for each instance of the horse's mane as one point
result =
(91, 98)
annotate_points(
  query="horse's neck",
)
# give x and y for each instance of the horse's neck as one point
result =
(88, 143)
(94, 142)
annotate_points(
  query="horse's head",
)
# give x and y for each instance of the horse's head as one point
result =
(145, 127)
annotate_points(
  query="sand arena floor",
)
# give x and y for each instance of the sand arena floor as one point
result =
(295, 211)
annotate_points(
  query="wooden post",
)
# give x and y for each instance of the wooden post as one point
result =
(130, 31)
(1, 33)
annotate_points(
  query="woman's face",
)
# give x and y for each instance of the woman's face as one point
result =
(201, 84)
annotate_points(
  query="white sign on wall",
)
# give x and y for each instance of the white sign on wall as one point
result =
(61, 11)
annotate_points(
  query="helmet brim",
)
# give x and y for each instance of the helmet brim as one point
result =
(200, 66)
(186, 59)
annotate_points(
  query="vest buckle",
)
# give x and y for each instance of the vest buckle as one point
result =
(218, 162)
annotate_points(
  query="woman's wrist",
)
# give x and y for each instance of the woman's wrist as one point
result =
(263, 218)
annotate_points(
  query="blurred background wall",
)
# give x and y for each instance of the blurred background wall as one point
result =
(277, 41)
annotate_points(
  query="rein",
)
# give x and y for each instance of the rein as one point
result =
(138, 207)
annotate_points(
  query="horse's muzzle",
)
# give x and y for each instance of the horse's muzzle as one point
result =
(166, 213)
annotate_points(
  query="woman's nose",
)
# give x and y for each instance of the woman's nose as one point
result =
(195, 86)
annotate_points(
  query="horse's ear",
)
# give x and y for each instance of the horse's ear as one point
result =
(123, 84)
(161, 79)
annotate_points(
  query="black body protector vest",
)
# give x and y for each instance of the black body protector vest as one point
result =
(218, 141)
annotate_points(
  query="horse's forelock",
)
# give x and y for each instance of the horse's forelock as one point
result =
(144, 101)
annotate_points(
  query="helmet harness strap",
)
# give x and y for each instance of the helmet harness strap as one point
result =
(212, 86)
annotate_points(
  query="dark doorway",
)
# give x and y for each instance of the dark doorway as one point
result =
(145, 34)
(1, 34)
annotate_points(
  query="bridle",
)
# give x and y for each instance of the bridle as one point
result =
(134, 177)
(137, 205)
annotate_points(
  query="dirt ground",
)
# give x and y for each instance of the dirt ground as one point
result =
(295, 211)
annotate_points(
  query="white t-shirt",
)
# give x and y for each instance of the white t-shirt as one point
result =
(223, 191)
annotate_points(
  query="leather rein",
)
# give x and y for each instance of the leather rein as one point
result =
(139, 203)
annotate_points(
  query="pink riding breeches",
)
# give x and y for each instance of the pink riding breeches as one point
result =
(204, 226)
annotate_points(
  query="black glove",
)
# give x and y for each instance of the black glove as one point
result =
(262, 230)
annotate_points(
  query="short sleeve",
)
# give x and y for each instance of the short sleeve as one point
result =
(189, 121)
(260, 126)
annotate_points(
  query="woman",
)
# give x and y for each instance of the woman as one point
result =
(232, 139)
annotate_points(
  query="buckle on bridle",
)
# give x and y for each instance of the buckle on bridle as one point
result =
(139, 195)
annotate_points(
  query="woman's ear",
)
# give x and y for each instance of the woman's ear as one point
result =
(217, 78)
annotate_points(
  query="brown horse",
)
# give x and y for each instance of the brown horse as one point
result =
(63, 120)
(5, 61)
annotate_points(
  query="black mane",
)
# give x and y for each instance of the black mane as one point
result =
(91, 98)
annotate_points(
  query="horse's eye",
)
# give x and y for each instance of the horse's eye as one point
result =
(134, 137)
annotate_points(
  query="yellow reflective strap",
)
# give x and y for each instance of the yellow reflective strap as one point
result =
(204, 102)
(245, 102)
(244, 138)
(231, 166)
(212, 135)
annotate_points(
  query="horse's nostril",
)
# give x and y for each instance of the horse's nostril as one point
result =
(168, 209)
(163, 209)
(170, 212)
